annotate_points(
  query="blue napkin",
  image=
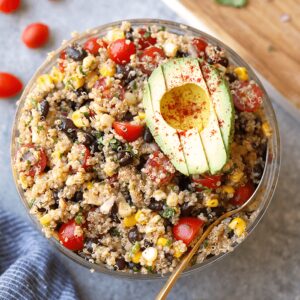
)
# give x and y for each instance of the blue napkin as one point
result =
(28, 268)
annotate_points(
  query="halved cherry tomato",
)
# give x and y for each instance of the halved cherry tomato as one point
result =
(248, 96)
(35, 35)
(243, 193)
(40, 165)
(10, 85)
(86, 156)
(210, 182)
(130, 132)
(157, 164)
(146, 39)
(199, 44)
(187, 229)
(9, 6)
(92, 45)
(62, 56)
(68, 238)
(150, 58)
(121, 50)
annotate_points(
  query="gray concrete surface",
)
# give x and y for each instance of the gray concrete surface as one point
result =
(266, 266)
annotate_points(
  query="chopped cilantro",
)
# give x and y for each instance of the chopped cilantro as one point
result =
(78, 219)
(31, 202)
(234, 3)
(135, 248)
(150, 269)
(205, 243)
(114, 144)
(81, 71)
(168, 213)
(86, 114)
(114, 231)
(147, 34)
(40, 128)
(162, 28)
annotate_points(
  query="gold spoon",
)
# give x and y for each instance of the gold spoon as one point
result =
(186, 259)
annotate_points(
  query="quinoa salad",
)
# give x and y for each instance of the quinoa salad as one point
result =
(101, 168)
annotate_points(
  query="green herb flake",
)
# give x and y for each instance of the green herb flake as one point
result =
(150, 269)
(81, 71)
(78, 219)
(205, 243)
(134, 86)
(168, 213)
(147, 34)
(135, 248)
(114, 144)
(40, 128)
(31, 202)
(162, 28)
(86, 114)
(234, 3)
(114, 232)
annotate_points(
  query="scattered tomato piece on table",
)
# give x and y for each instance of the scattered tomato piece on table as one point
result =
(35, 35)
(10, 85)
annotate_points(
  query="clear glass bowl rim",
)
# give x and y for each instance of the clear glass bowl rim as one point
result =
(274, 143)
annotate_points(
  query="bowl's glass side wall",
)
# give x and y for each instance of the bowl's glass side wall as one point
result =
(271, 173)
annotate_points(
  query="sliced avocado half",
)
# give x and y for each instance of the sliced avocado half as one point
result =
(183, 104)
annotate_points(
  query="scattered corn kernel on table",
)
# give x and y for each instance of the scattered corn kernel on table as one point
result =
(266, 266)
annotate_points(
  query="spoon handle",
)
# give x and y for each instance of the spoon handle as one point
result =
(186, 259)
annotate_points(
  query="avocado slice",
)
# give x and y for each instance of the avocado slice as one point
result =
(183, 106)
(190, 139)
(165, 136)
(222, 100)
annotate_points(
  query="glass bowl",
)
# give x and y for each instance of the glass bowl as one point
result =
(267, 185)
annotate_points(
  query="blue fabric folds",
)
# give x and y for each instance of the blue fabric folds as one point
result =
(28, 268)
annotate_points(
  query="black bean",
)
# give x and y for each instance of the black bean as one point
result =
(197, 211)
(134, 267)
(210, 256)
(114, 213)
(142, 162)
(89, 139)
(167, 223)
(68, 127)
(182, 54)
(53, 206)
(80, 92)
(186, 209)
(44, 109)
(148, 138)
(224, 61)
(128, 74)
(156, 205)
(129, 35)
(121, 263)
(89, 242)
(78, 196)
(41, 209)
(147, 244)
(76, 52)
(184, 182)
(230, 77)
(128, 116)
(134, 235)
(58, 225)
(219, 211)
(230, 234)
(127, 197)
(124, 158)
(210, 61)
(169, 257)
(95, 147)
(218, 48)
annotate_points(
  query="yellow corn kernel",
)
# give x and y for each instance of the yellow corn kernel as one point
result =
(238, 225)
(228, 189)
(23, 181)
(45, 220)
(91, 80)
(266, 129)
(56, 154)
(177, 252)
(129, 221)
(114, 35)
(44, 81)
(140, 217)
(163, 242)
(77, 82)
(108, 69)
(141, 115)
(241, 73)
(136, 257)
(212, 203)
(78, 119)
(236, 176)
(89, 185)
(56, 75)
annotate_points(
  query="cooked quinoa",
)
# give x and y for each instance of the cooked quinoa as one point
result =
(122, 198)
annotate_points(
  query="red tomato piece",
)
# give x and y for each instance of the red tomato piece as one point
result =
(199, 44)
(86, 156)
(10, 85)
(121, 50)
(210, 182)
(248, 96)
(129, 132)
(35, 35)
(9, 6)
(187, 229)
(68, 238)
(150, 58)
(92, 45)
(146, 39)
(102, 84)
(62, 56)
(40, 165)
(243, 193)
(157, 164)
